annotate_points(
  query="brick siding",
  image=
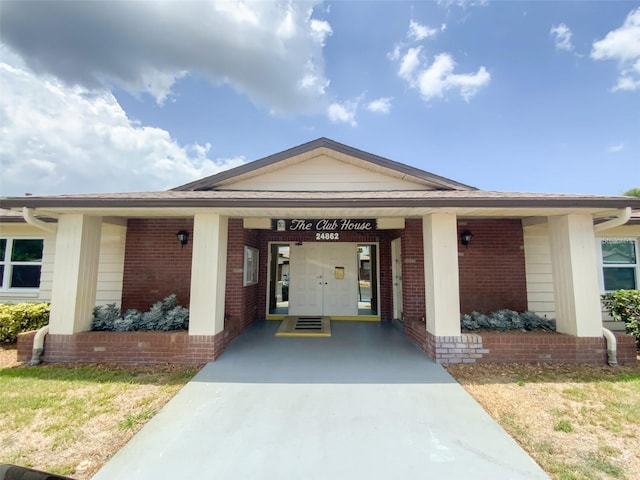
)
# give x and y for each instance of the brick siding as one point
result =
(155, 264)
(492, 268)
(413, 302)
(241, 303)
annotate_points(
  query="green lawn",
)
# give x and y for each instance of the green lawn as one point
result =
(57, 418)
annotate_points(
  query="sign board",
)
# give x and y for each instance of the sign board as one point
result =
(325, 225)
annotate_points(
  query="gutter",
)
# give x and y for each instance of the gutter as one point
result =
(27, 214)
(623, 217)
(307, 202)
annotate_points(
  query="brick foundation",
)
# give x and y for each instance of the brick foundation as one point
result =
(125, 347)
(520, 347)
(181, 348)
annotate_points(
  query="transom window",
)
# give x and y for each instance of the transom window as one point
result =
(20, 262)
(619, 264)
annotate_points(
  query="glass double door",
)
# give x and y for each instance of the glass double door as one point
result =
(323, 279)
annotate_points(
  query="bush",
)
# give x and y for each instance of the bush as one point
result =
(165, 315)
(21, 317)
(624, 306)
(503, 320)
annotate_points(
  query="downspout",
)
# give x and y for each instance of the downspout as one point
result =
(612, 347)
(38, 345)
(38, 340)
(612, 344)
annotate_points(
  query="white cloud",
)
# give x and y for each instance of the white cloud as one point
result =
(409, 63)
(60, 139)
(343, 112)
(380, 105)
(437, 79)
(623, 45)
(264, 50)
(418, 32)
(618, 147)
(463, 3)
(562, 37)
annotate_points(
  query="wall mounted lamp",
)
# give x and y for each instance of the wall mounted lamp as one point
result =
(183, 237)
(465, 238)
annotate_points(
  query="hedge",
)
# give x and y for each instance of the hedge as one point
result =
(624, 306)
(21, 317)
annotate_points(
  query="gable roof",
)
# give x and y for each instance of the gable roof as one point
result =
(339, 150)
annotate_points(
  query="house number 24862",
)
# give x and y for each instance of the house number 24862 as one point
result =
(327, 236)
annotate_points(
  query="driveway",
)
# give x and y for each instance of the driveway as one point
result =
(363, 404)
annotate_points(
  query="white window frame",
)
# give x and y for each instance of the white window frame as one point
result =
(602, 265)
(251, 265)
(9, 264)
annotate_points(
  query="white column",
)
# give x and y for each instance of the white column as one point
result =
(208, 274)
(442, 290)
(75, 273)
(575, 275)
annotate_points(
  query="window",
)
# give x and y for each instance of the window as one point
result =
(250, 266)
(20, 263)
(619, 264)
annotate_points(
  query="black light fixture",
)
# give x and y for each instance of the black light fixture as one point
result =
(465, 238)
(183, 237)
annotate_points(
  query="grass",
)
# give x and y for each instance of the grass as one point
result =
(578, 422)
(56, 418)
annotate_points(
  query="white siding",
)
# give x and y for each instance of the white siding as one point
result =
(110, 270)
(538, 269)
(111, 264)
(323, 173)
(537, 257)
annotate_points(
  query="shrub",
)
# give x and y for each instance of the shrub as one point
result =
(503, 320)
(21, 317)
(104, 317)
(624, 306)
(165, 315)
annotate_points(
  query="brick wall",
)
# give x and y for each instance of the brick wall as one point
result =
(413, 302)
(155, 265)
(518, 347)
(181, 348)
(241, 303)
(137, 348)
(492, 268)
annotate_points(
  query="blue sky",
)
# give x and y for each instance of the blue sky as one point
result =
(112, 96)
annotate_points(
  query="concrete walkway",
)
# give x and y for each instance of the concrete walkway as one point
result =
(363, 404)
